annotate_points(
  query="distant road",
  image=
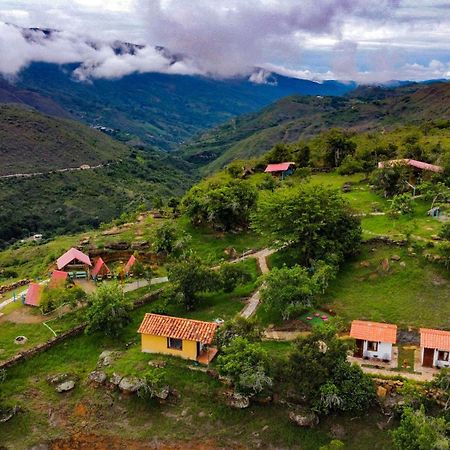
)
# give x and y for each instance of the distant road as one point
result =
(68, 169)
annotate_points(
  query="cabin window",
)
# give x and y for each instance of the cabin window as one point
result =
(176, 344)
(443, 356)
(372, 346)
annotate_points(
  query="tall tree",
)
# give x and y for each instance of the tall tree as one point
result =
(314, 220)
(338, 145)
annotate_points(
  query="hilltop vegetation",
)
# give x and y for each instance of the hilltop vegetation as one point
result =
(294, 118)
(32, 142)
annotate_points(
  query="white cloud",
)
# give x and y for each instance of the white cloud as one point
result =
(313, 39)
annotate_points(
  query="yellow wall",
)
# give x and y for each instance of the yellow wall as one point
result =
(158, 344)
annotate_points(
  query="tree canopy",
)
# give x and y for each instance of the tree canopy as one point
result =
(315, 220)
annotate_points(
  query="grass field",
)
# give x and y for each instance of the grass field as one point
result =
(415, 295)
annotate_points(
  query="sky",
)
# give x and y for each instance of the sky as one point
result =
(362, 40)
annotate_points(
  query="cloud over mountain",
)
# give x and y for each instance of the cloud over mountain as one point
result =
(315, 39)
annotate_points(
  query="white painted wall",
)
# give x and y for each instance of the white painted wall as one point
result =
(436, 362)
(384, 351)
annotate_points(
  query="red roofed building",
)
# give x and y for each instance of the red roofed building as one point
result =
(373, 339)
(129, 264)
(281, 169)
(100, 269)
(58, 278)
(435, 345)
(410, 162)
(75, 262)
(186, 338)
(34, 294)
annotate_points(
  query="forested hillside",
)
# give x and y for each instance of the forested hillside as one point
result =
(159, 109)
(297, 117)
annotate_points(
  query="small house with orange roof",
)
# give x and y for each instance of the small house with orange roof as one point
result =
(176, 336)
(280, 170)
(373, 339)
(75, 262)
(435, 347)
(58, 279)
(100, 269)
(34, 294)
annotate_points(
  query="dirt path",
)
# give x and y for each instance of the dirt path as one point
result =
(253, 302)
(137, 284)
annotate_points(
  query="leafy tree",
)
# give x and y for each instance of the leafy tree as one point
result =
(221, 203)
(173, 203)
(417, 431)
(54, 297)
(337, 146)
(442, 382)
(190, 276)
(107, 310)
(350, 165)
(444, 232)
(318, 369)
(230, 275)
(169, 240)
(238, 327)
(391, 181)
(301, 154)
(435, 191)
(153, 382)
(279, 153)
(314, 220)
(246, 364)
(288, 291)
(402, 204)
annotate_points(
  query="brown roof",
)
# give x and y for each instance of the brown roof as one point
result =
(435, 339)
(179, 328)
(374, 331)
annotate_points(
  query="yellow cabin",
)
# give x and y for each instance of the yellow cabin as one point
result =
(186, 338)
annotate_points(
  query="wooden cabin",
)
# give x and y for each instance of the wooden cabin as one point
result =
(100, 270)
(176, 336)
(75, 262)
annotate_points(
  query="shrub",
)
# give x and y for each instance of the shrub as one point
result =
(349, 166)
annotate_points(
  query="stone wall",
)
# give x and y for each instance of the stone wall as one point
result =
(76, 331)
(9, 287)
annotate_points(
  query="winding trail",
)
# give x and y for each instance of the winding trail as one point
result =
(254, 300)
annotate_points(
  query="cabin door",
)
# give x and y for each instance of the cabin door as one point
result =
(359, 348)
(428, 357)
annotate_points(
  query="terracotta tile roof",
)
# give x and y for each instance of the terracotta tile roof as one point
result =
(179, 328)
(281, 167)
(98, 265)
(435, 339)
(374, 331)
(130, 263)
(58, 277)
(70, 255)
(34, 294)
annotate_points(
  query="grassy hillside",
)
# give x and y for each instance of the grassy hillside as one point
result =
(296, 117)
(33, 142)
(61, 202)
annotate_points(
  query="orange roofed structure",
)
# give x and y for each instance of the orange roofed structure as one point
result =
(435, 346)
(100, 269)
(186, 338)
(58, 278)
(34, 294)
(373, 339)
(75, 262)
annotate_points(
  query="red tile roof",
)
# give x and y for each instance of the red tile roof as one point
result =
(58, 277)
(178, 328)
(281, 167)
(98, 265)
(435, 339)
(34, 294)
(70, 255)
(410, 162)
(130, 263)
(374, 331)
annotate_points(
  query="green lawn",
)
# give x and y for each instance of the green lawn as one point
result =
(416, 295)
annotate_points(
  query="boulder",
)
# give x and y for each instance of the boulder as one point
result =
(139, 245)
(162, 394)
(65, 386)
(395, 258)
(239, 401)
(106, 358)
(364, 264)
(129, 385)
(114, 380)
(159, 364)
(402, 264)
(97, 377)
(304, 418)
(118, 245)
